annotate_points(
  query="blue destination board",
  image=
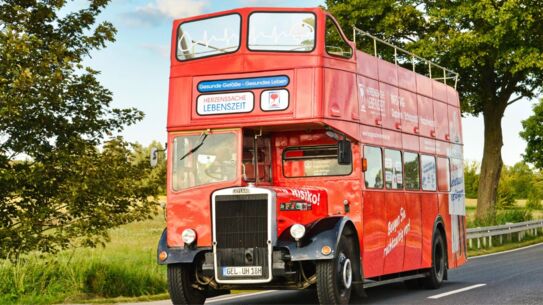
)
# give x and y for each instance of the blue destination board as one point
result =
(243, 83)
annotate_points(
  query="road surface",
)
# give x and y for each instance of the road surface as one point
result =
(513, 277)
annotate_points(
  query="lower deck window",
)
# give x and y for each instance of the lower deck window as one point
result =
(313, 161)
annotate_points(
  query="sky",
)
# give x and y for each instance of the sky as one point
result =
(136, 68)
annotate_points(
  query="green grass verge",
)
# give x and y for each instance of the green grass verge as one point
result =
(126, 267)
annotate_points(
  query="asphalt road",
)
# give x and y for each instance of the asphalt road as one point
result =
(514, 277)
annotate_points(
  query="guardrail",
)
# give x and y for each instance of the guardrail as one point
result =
(486, 234)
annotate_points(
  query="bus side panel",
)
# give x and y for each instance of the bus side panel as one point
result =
(413, 240)
(395, 246)
(429, 204)
(340, 99)
(374, 235)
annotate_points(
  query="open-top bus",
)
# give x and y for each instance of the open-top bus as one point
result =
(296, 161)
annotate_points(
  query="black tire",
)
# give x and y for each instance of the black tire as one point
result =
(181, 277)
(332, 287)
(438, 271)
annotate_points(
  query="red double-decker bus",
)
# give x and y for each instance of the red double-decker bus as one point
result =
(296, 161)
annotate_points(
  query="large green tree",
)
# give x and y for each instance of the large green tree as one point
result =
(496, 46)
(533, 134)
(65, 178)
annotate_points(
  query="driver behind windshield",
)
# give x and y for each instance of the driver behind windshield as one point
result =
(223, 167)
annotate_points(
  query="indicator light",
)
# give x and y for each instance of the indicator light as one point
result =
(326, 250)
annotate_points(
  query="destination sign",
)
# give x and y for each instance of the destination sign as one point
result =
(238, 102)
(243, 83)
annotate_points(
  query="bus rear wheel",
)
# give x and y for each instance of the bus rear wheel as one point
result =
(335, 276)
(437, 273)
(181, 278)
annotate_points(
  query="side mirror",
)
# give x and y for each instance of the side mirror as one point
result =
(154, 157)
(344, 152)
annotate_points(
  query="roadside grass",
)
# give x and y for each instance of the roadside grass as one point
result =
(517, 213)
(125, 267)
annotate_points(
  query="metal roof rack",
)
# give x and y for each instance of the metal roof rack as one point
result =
(447, 74)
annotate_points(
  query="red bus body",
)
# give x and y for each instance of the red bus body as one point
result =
(369, 101)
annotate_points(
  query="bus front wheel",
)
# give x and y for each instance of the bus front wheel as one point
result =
(335, 276)
(181, 277)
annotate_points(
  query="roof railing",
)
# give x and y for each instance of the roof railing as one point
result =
(444, 74)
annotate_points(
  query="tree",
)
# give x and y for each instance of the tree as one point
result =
(494, 45)
(471, 179)
(57, 187)
(522, 179)
(157, 175)
(533, 134)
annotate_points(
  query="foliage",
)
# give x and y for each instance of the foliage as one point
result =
(157, 175)
(506, 192)
(513, 216)
(56, 187)
(522, 179)
(125, 267)
(494, 45)
(534, 200)
(471, 179)
(533, 134)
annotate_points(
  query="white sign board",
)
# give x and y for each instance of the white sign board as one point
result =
(271, 100)
(225, 103)
(457, 194)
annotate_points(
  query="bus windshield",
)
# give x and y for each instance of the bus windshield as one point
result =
(208, 37)
(203, 159)
(282, 31)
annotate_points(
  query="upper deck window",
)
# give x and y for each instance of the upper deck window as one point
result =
(209, 37)
(282, 32)
(335, 44)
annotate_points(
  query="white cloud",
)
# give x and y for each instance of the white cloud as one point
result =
(160, 11)
(173, 8)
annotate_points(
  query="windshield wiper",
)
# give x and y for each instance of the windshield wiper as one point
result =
(195, 148)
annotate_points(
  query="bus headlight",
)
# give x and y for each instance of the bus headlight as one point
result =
(188, 236)
(297, 231)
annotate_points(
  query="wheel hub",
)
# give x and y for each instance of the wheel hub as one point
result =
(346, 273)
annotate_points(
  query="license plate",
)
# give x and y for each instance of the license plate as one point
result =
(242, 271)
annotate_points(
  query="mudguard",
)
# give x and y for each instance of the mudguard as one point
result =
(177, 255)
(323, 232)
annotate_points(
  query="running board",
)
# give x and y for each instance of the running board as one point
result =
(370, 283)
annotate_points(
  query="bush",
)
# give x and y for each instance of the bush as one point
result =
(534, 200)
(506, 195)
(513, 216)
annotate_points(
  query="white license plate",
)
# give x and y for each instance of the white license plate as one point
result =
(242, 271)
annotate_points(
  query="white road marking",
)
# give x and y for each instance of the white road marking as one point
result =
(505, 252)
(236, 296)
(438, 296)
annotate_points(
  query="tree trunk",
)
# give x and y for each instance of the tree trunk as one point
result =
(492, 163)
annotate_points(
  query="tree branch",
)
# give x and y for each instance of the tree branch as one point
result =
(515, 100)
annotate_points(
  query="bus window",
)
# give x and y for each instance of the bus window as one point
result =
(256, 159)
(313, 161)
(335, 44)
(281, 31)
(373, 177)
(428, 165)
(208, 37)
(443, 176)
(411, 169)
(393, 169)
